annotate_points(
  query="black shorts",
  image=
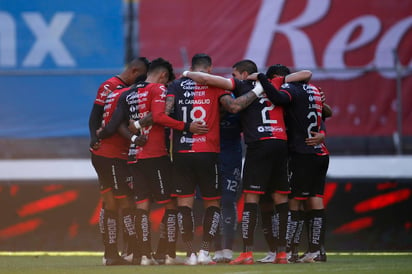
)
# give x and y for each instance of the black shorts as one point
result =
(196, 169)
(265, 169)
(113, 174)
(307, 175)
(152, 179)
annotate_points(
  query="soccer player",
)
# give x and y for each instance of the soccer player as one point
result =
(152, 169)
(108, 159)
(308, 163)
(195, 156)
(265, 168)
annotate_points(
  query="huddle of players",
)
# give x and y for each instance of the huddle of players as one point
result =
(131, 144)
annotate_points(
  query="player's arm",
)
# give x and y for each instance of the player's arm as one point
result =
(136, 138)
(326, 110)
(209, 79)
(136, 125)
(158, 107)
(233, 105)
(95, 122)
(118, 117)
(299, 76)
(275, 96)
(317, 138)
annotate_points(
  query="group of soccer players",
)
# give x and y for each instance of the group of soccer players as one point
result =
(158, 139)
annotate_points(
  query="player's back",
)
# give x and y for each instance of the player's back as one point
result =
(196, 103)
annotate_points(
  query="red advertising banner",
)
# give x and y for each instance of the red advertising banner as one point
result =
(349, 45)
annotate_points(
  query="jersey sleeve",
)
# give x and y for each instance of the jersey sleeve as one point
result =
(158, 109)
(119, 115)
(277, 97)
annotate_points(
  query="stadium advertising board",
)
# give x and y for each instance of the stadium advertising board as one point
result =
(349, 45)
(53, 56)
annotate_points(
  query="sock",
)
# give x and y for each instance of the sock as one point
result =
(317, 235)
(228, 223)
(268, 218)
(186, 221)
(249, 221)
(283, 211)
(293, 221)
(143, 232)
(102, 230)
(130, 230)
(210, 226)
(110, 235)
(162, 243)
(171, 232)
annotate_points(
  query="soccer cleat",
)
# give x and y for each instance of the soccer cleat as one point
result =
(218, 257)
(159, 258)
(244, 258)
(321, 257)
(147, 261)
(173, 261)
(227, 255)
(116, 260)
(269, 258)
(191, 260)
(309, 257)
(204, 258)
(223, 256)
(281, 258)
(292, 257)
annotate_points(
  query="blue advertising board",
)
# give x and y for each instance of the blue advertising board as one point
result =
(53, 56)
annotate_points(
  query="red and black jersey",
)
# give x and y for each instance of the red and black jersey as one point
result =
(106, 87)
(151, 98)
(115, 146)
(261, 120)
(196, 103)
(303, 115)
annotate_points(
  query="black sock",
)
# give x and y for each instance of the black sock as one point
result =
(268, 217)
(210, 226)
(293, 220)
(143, 231)
(249, 221)
(171, 232)
(111, 232)
(130, 230)
(185, 221)
(283, 211)
(317, 230)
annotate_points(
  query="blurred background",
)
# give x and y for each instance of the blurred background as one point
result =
(54, 55)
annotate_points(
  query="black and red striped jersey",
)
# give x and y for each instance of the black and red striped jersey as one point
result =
(196, 103)
(303, 115)
(151, 99)
(106, 87)
(115, 146)
(261, 120)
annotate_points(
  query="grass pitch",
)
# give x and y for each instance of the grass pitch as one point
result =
(91, 262)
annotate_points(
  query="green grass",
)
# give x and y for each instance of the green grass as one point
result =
(90, 262)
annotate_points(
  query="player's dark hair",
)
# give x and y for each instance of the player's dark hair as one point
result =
(245, 65)
(201, 60)
(278, 69)
(162, 64)
(145, 61)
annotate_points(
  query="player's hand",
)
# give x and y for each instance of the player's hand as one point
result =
(316, 139)
(147, 120)
(94, 144)
(198, 128)
(132, 127)
(253, 76)
(141, 140)
(322, 95)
